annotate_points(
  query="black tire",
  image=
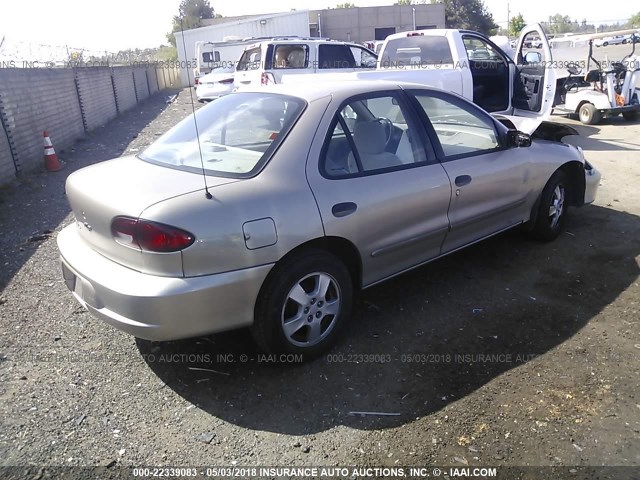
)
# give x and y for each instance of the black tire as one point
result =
(604, 44)
(588, 114)
(274, 305)
(547, 225)
(630, 116)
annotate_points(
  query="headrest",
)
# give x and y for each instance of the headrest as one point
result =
(369, 137)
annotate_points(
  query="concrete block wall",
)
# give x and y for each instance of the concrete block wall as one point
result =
(152, 80)
(161, 76)
(96, 94)
(172, 77)
(67, 102)
(124, 87)
(34, 100)
(7, 168)
(140, 80)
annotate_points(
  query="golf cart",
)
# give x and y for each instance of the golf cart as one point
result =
(607, 90)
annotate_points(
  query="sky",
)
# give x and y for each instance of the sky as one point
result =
(120, 24)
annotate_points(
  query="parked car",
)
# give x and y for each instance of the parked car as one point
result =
(270, 61)
(615, 40)
(291, 198)
(215, 84)
(535, 42)
(374, 45)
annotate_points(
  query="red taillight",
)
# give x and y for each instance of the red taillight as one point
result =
(415, 34)
(196, 81)
(150, 236)
(226, 81)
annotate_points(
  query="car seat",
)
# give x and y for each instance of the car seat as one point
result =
(370, 139)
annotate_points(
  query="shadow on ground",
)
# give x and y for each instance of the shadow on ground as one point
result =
(33, 207)
(606, 141)
(422, 340)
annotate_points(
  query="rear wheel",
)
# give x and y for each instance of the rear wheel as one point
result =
(552, 210)
(630, 116)
(303, 305)
(588, 114)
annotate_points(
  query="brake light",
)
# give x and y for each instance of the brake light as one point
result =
(415, 34)
(226, 81)
(196, 81)
(150, 236)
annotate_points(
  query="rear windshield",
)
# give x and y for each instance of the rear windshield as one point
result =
(238, 133)
(416, 51)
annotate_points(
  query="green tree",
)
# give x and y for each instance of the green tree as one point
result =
(346, 5)
(516, 24)
(191, 12)
(634, 22)
(404, 2)
(468, 14)
(560, 24)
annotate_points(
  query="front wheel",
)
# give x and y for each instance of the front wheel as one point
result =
(552, 210)
(303, 305)
(588, 114)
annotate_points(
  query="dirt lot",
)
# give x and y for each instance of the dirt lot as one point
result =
(510, 353)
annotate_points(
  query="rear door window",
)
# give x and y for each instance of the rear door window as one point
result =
(290, 56)
(372, 133)
(335, 56)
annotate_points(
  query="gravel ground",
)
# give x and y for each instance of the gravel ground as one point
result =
(508, 353)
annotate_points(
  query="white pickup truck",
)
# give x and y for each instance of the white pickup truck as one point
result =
(469, 64)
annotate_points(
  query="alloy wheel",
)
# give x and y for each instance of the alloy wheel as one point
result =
(311, 309)
(556, 208)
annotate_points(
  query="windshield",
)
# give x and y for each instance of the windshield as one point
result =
(237, 133)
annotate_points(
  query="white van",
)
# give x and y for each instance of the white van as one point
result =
(271, 61)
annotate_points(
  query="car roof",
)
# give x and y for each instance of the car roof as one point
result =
(310, 91)
(298, 41)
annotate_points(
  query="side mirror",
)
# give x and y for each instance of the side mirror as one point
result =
(532, 57)
(518, 139)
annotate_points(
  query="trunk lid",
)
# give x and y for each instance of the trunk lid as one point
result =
(127, 186)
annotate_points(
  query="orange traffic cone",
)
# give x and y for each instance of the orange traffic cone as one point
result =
(51, 162)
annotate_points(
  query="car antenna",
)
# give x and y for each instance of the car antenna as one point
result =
(207, 194)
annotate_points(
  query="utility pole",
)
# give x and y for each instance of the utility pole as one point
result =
(508, 19)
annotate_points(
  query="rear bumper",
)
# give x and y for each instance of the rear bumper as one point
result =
(206, 92)
(153, 307)
(591, 182)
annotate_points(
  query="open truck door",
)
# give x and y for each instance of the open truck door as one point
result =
(534, 85)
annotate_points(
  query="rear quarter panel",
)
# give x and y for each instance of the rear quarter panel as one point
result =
(279, 192)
